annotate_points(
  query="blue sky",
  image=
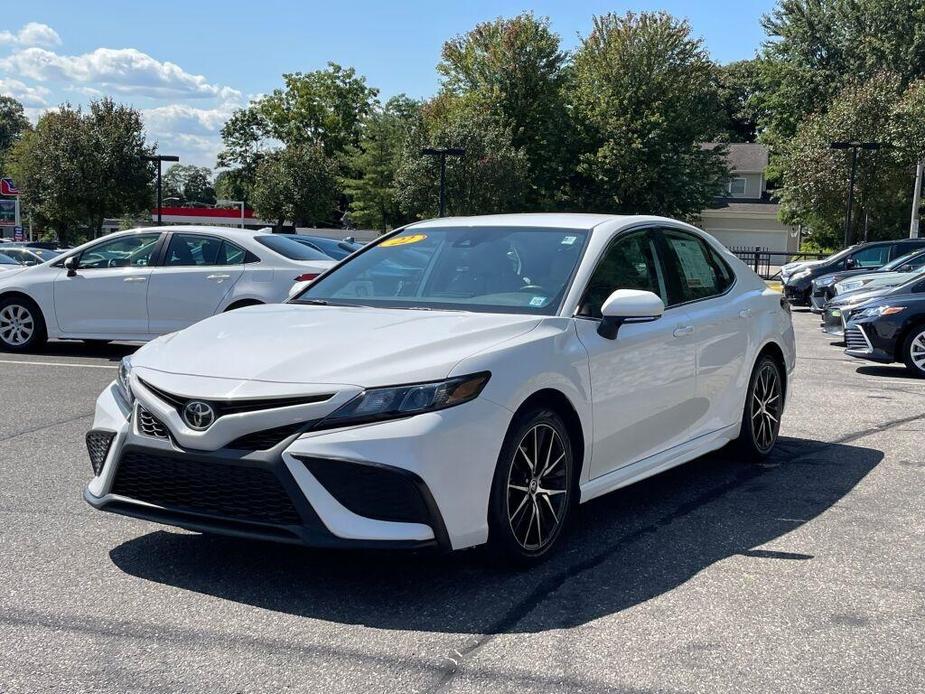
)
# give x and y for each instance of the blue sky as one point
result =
(189, 64)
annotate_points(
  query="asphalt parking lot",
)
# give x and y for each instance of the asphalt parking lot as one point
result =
(804, 574)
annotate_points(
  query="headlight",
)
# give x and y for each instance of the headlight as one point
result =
(851, 286)
(377, 404)
(825, 281)
(123, 381)
(878, 311)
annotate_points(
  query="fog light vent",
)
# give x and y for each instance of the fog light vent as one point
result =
(98, 443)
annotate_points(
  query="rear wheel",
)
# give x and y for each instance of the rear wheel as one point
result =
(764, 405)
(21, 325)
(533, 490)
(914, 351)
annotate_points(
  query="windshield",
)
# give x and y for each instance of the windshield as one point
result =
(332, 247)
(287, 247)
(482, 269)
(916, 259)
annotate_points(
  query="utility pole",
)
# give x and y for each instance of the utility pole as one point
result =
(854, 147)
(443, 152)
(916, 200)
(160, 158)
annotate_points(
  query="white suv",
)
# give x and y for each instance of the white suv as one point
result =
(136, 285)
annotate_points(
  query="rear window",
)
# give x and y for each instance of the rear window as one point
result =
(288, 248)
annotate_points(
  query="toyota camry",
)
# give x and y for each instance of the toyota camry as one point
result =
(461, 381)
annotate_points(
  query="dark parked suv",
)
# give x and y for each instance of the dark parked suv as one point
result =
(866, 256)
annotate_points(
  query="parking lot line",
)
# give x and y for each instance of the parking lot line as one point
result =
(59, 363)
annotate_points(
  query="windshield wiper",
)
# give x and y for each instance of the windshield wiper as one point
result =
(313, 302)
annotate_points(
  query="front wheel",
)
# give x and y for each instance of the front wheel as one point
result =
(21, 325)
(914, 351)
(533, 490)
(764, 405)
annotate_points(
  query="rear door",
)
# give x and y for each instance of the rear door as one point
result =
(107, 295)
(196, 274)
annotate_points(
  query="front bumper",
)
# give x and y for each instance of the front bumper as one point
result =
(833, 322)
(819, 298)
(797, 294)
(418, 482)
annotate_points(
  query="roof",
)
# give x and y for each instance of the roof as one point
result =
(727, 207)
(193, 228)
(743, 157)
(552, 220)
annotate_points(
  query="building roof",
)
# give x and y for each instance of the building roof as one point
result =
(731, 208)
(743, 157)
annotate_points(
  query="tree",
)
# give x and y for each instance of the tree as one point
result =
(815, 177)
(817, 47)
(372, 192)
(737, 85)
(644, 94)
(297, 183)
(77, 168)
(515, 68)
(13, 124)
(189, 184)
(491, 177)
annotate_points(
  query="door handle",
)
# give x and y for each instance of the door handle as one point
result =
(745, 313)
(217, 277)
(135, 279)
(683, 330)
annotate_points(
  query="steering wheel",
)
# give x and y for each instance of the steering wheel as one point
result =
(533, 288)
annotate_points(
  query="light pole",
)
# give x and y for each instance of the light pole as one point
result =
(160, 158)
(443, 152)
(916, 200)
(228, 203)
(854, 147)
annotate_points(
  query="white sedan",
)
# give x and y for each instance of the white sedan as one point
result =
(459, 382)
(136, 285)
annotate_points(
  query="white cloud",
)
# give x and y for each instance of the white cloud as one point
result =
(32, 34)
(120, 70)
(28, 95)
(174, 118)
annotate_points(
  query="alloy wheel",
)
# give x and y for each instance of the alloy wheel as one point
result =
(766, 406)
(17, 325)
(536, 487)
(917, 351)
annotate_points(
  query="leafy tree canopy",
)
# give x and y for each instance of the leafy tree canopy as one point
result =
(189, 184)
(13, 124)
(297, 183)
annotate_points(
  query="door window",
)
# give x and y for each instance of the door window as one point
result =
(695, 270)
(231, 254)
(874, 256)
(187, 250)
(630, 263)
(125, 251)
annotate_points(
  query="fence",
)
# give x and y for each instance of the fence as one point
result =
(768, 263)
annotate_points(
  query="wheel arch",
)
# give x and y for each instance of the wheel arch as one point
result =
(241, 303)
(775, 351)
(559, 403)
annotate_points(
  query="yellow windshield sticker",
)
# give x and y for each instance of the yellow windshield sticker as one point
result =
(403, 240)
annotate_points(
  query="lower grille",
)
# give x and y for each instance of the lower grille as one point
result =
(855, 339)
(98, 443)
(210, 488)
(264, 440)
(149, 425)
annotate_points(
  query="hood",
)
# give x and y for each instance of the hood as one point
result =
(347, 345)
(5, 274)
(790, 268)
(857, 297)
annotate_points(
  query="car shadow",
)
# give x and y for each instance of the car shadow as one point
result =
(624, 548)
(112, 351)
(892, 370)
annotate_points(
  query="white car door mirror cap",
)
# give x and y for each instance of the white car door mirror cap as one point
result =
(631, 304)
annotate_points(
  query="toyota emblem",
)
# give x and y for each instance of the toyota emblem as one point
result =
(198, 415)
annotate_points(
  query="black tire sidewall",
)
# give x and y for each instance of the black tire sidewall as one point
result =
(501, 539)
(38, 335)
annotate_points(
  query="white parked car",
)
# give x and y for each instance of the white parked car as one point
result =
(136, 285)
(457, 382)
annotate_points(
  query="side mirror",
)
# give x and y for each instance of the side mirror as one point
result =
(851, 263)
(628, 306)
(70, 264)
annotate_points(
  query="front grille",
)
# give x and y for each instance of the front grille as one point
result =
(223, 407)
(98, 443)
(372, 491)
(206, 487)
(149, 425)
(855, 340)
(266, 439)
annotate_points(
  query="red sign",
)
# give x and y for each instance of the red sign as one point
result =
(7, 187)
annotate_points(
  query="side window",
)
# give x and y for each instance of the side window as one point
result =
(631, 262)
(901, 249)
(694, 269)
(187, 250)
(126, 251)
(231, 254)
(875, 256)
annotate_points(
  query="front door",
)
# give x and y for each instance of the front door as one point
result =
(108, 294)
(643, 382)
(197, 273)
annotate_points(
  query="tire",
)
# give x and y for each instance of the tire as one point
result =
(529, 509)
(22, 326)
(914, 351)
(764, 404)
